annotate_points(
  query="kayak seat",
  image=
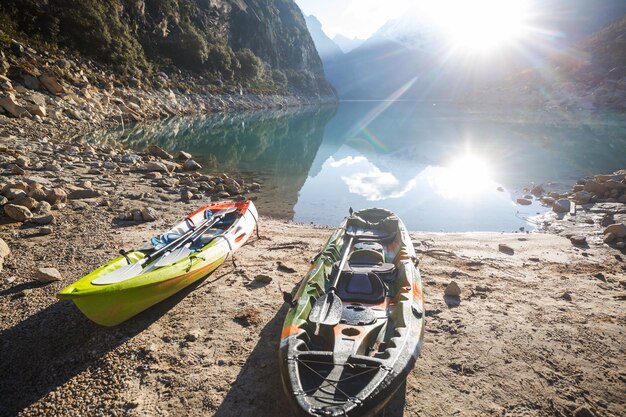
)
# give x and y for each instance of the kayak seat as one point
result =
(360, 287)
(366, 257)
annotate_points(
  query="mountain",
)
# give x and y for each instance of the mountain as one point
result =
(256, 43)
(409, 56)
(346, 44)
(592, 74)
(326, 48)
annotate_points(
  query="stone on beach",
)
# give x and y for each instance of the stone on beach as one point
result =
(452, 290)
(46, 275)
(149, 214)
(154, 167)
(578, 240)
(183, 156)
(17, 213)
(191, 165)
(618, 230)
(83, 194)
(504, 248)
(524, 202)
(159, 152)
(561, 206)
(4, 249)
(56, 195)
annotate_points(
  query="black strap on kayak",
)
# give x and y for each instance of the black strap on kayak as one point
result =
(256, 221)
(230, 249)
(125, 255)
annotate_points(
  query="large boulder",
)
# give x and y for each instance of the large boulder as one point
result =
(17, 213)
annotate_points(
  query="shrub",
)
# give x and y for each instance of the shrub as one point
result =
(250, 66)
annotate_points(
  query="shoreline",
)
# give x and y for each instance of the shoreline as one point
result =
(521, 312)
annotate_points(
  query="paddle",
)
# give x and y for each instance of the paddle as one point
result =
(185, 250)
(135, 269)
(327, 308)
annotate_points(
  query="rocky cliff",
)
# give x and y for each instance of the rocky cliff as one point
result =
(259, 45)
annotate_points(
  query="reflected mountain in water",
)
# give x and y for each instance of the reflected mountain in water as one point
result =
(275, 147)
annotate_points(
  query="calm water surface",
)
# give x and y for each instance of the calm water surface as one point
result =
(438, 167)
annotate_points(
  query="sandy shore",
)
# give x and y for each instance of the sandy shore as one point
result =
(515, 345)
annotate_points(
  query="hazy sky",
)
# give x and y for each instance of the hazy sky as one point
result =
(353, 18)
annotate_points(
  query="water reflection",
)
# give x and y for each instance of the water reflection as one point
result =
(439, 167)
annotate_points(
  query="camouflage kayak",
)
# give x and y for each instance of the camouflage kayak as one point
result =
(355, 326)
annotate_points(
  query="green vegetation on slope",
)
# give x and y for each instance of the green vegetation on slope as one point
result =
(262, 45)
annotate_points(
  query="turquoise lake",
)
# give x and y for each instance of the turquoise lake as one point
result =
(438, 166)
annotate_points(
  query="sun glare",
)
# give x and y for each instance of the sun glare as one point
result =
(464, 177)
(479, 25)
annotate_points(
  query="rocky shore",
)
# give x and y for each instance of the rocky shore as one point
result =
(593, 212)
(39, 88)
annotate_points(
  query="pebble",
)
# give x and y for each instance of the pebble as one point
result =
(183, 156)
(193, 335)
(263, 278)
(56, 195)
(149, 214)
(505, 249)
(186, 195)
(566, 296)
(524, 202)
(83, 194)
(43, 231)
(578, 240)
(452, 290)
(44, 220)
(46, 275)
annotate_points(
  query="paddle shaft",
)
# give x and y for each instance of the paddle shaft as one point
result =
(344, 259)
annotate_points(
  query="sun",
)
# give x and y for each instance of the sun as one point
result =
(479, 25)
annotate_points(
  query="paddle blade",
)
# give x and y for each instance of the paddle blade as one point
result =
(120, 274)
(326, 310)
(174, 256)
